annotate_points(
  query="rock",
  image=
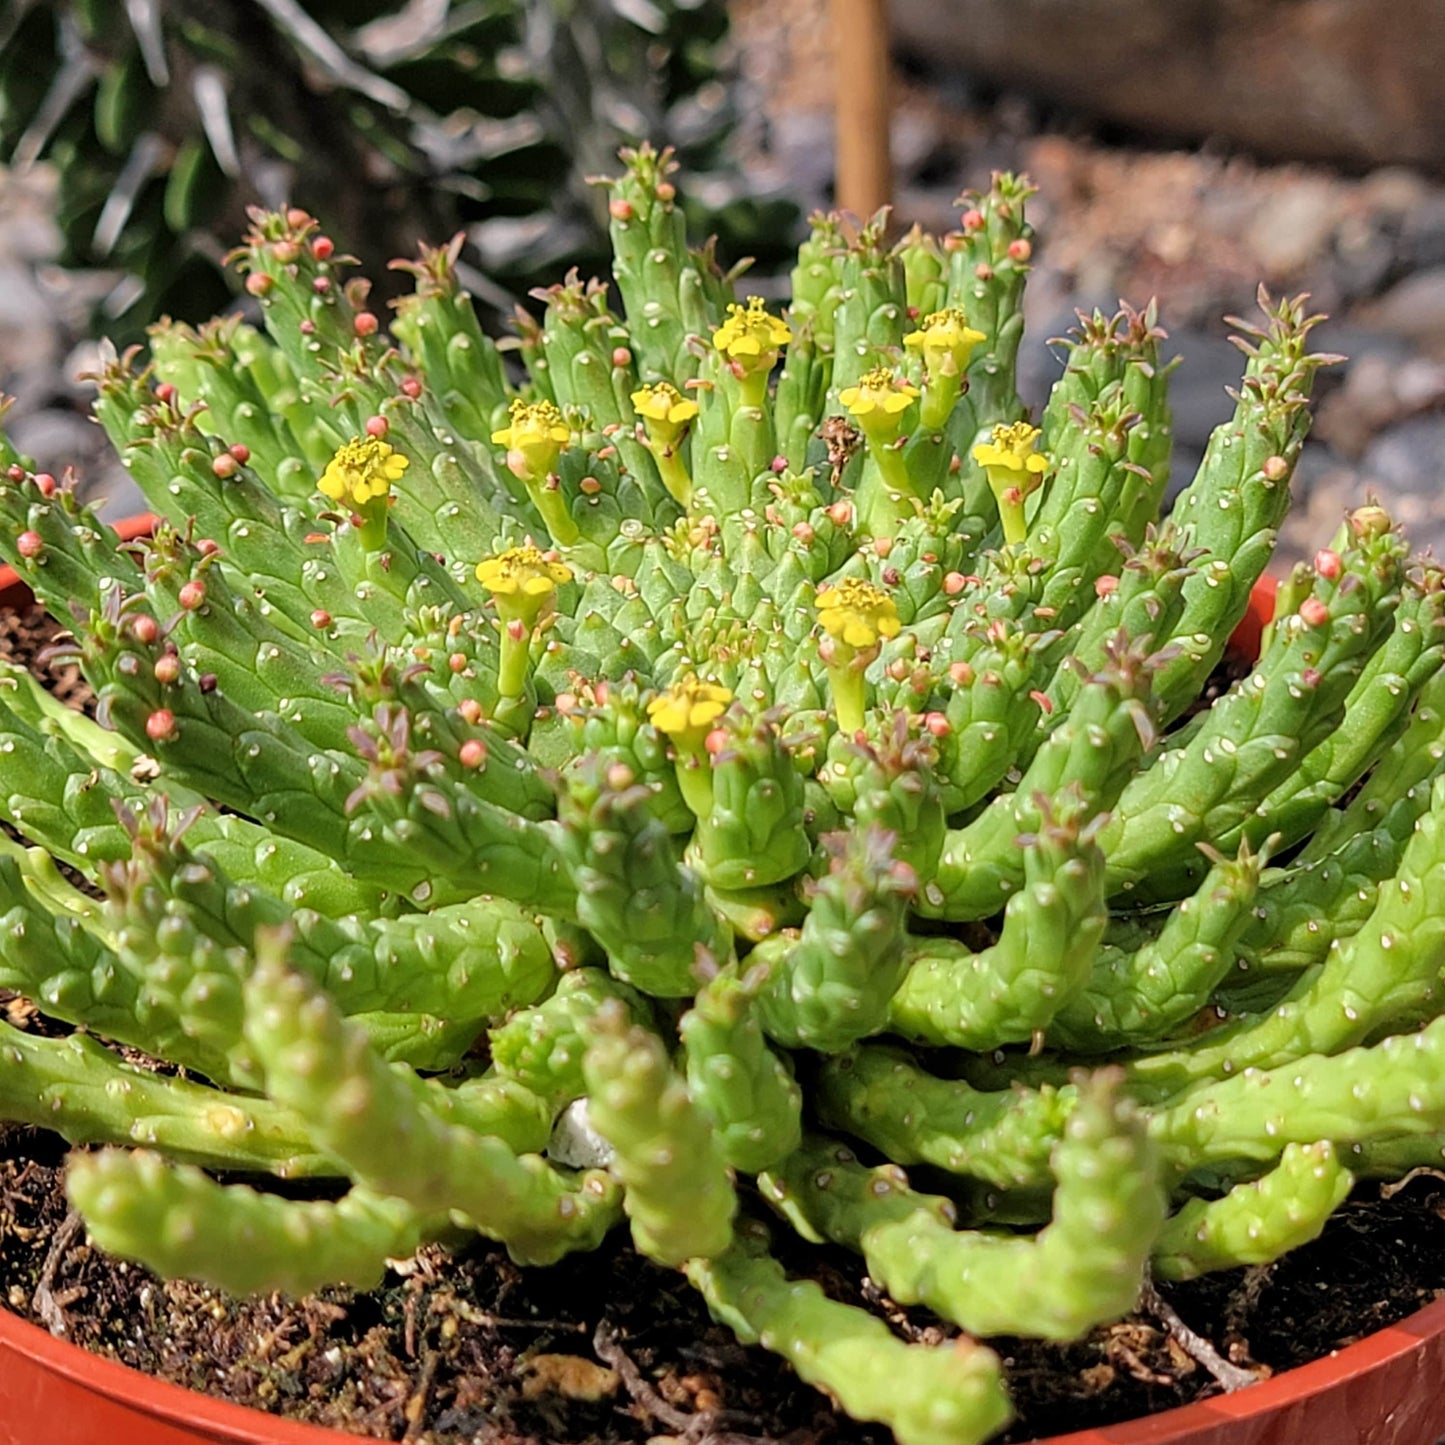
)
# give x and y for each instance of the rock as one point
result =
(1413, 308)
(1330, 80)
(1409, 457)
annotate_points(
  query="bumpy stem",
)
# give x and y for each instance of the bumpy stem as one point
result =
(952, 1394)
(1083, 1269)
(182, 1224)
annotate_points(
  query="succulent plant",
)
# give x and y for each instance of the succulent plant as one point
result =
(164, 119)
(744, 749)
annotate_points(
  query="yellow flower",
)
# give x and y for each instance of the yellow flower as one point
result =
(946, 340)
(522, 573)
(1010, 459)
(664, 404)
(534, 440)
(688, 708)
(1015, 470)
(665, 411)
(879, 398)
(857, 613)
(361, 472)
(750, 335)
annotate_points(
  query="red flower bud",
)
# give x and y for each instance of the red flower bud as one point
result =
(323, 247)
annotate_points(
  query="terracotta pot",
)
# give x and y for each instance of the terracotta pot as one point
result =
(1388, 1389)
(14, 593)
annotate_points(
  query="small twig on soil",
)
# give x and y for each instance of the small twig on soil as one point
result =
(699, 1426)
(1231, 1377)
(43, 1301)
(414, 1411)
(1242, 1302)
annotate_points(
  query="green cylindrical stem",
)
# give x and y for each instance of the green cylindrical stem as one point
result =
(677, 1191)
(1083, 1269)
(1258, 1221)
(179, 1222)
(950, 1394)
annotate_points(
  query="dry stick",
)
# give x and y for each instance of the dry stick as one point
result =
(865, 167)
(43, 1301)
(1195, 1346)
(414, 1411)
(700, 1426)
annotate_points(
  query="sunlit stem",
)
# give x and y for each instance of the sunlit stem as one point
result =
(694, 775)
(515, 667)
(553, 507)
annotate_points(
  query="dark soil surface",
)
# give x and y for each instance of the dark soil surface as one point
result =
(609, 1347)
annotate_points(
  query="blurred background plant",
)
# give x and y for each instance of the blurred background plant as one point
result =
(395, 120)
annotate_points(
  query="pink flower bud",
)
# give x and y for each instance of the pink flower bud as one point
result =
(471, 710)
(377, 426)
(296, 218)
(619, 209)
(323, 248)
(145, 628)
(621, 356)
(287, 253)
(1275, 468)
(240, 451)
(29, 544)
(1019, 250)
(225, 466)
(937, 724)
(457, 662)
(321, 619)
(411, 386)
(1105, 586)
(972, 220)
(167, 669)
(1314, 612)
(192, 594)
(258, 283)
(161, 725)
(1328, 564)
(472, 753)
(364, 323)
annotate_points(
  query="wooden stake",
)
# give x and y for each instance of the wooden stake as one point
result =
(865, 168)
